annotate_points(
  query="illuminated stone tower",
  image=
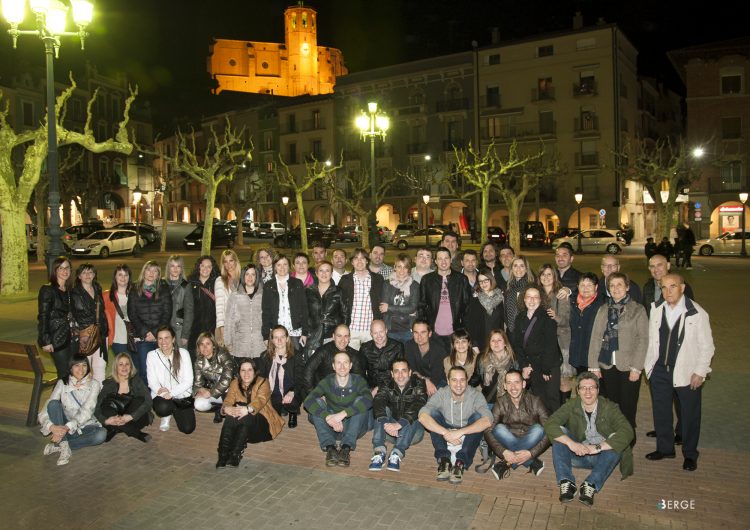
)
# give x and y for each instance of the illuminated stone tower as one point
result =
(297, 67)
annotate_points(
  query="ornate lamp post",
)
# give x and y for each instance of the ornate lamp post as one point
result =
(373, 124)
(579, 199)
(426, 200)
(743, 200)
(285, 202)
(50, 17)
(137, 195)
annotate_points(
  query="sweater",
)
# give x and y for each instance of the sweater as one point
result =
(159, 373)
(457, 413)
(353, 398)
(78, 405)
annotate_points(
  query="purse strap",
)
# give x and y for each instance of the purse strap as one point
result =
(119, 309)
(208, 293)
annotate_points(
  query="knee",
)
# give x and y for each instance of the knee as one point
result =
(163, 407)
(203, 404)
(100, 436)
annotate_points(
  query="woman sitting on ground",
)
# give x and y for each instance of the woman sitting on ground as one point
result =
(284, 371)
(249, 415)
(68, 415)
(213, 372)
(124, 403)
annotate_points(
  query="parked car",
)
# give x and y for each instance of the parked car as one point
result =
(417, 238)
(148, 233)
(385, 233)
(533, 233)
(267, 230)
(76, 232)
(726, 244)
(596, 240)
(497, 235)
(105, 242)
(222, 236)
(404, 229)
(350, 233)
(294, 240)
(562, 232)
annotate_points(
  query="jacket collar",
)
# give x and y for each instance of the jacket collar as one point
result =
(690, 308)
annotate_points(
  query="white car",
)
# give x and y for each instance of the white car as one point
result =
(596, 240)
(728, 243)
(102, 243)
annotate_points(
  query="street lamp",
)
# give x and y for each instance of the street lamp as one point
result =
(50, 16)
(285, 201)
(579, 199)
(426, 199)
(372, 124)
(137, 195)
(743, 200)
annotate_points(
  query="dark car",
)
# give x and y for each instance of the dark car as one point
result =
(350, 233)
(76, 232)
(148, 233)
(222, 236)
(293, 238)
(496, 235)
(533, 233)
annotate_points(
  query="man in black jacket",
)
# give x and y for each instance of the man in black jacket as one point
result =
(379, 353)
(321, 363)
(425, 355)
(361, 292)
(567, 275)
(444, 297)
(658, 266)
(396, 410)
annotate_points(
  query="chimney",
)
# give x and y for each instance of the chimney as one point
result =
(495, 35)
(578, 20)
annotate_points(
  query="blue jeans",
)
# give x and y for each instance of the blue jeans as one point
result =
(511, 442)
(601, 465)
(143, 348)
(401, 336)
(469, 446)
(90, 434)
(355, 427)
(118, 348)
(407, 435)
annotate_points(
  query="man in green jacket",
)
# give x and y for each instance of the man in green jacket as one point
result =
(589, 432)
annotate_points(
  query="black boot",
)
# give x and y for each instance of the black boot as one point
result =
(111, 432)
(564, 396)
(238, 446)
(292, 420)
(225, 445)
(218, 418)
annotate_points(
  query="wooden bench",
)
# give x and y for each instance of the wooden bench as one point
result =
(21, 358)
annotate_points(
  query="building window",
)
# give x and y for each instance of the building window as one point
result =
(584, 44)
(545, 88)
(546, 122)
(492, 59)
(316, 119)
(731, 176)
(731, 128)
(416, 98)
(292, 153)
(731, 84)
(28, 114)
(269, 164)
(493, 96)
(268, 140)
(104, 169)
(316, 149)
(493, 127)
(545, 51)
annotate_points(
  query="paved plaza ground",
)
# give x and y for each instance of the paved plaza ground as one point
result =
(171, 482)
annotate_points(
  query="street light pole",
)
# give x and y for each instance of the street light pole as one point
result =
(743, 200)
(285, 201)
(137, 195)
(579, 198)
(371, 125)
(50, 18)
(426, 200)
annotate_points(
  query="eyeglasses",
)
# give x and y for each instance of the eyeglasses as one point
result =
(484, 281)
(587, 388)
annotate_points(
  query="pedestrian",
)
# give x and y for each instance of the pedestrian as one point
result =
(54, 325)
(687, 241)
(650, 248)
(88, 313)
(120, 330)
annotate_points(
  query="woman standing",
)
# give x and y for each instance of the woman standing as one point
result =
(182, 302)
(170, 378)
(250, 418)
(68, 415)
(285, 304)
(486, 309)
(284, 371)
(520, 277)
(225, 285)
(324, 309)
(264, 258)
(558, 310)
(149, 308)
(53, 328)
(462, 354)
(202, 282)
(400, 300)
(88, 310)
(582, 313)
(535, 342)
(212, 373)
(617, 352)
(302, 270)
(124, 403)
(496, 359)
(116, 308)
(244, 318)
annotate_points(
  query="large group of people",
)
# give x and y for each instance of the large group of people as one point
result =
(476, 348)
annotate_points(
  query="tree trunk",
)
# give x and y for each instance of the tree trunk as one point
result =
(302, 220)
(514, 222)
(666, 218)
(240, 234)
(208, 222)
(40, 203)
(14, 277)
(365, 223)
(485, 215)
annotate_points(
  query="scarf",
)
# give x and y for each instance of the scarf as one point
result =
(511, 308)
(307, 282)
(490, 301)
(277, 368)
(266, 274)
(149, 290)
(610, 341)
(492, 365)
(583, 303)
(401, 285)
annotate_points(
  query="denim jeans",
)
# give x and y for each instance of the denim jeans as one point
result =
(601, 465)
(408, 434)
(89, 435)
(511, 442)
(401, 336)
(469, 446)
(118, 348)
(143, 348)
(355, 427)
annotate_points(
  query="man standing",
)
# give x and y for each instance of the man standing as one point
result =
(517, 437)
(659, 267)
(377, 255)
(565, 272)
(589, 432)
(423, 265)
(444, 297)
(318, 253)
(339, 408)
(506, 259)
(396, 408)
(609, 265)
(338, 259)
(451, 242)
(425, 356)
(361, 291)
(687, 242)
(320, 364)
(456, 417)
(677, 362)
(379, 353)
(469, 267)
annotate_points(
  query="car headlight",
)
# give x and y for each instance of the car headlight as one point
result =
(93, 245)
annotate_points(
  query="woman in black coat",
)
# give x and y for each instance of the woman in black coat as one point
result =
(201, 289)
(285, 304)
(534, 340)
(124, 402)
(486, 309)
(323, 307)
(88, 310)
(53, 325)
(280, 358)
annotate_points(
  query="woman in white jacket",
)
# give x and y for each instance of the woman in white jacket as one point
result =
(242, 325)
(68, 416)
(170, 379)
(225, 285)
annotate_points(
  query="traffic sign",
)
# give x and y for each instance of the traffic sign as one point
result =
(602, 212)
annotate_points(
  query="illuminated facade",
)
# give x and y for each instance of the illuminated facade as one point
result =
(295, 68)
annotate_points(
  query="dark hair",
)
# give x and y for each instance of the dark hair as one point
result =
(374, 246)
(618, 275)
(400, 360)
(277, 259)
(175, 354)
(58, 261)
(341, 352)
(83, 267)
(461, 333)
(318, 243)
(78, 359)
(590, 276)
(542, 299)
(469, 252)
(195, 275)
(258, 281)
(302, 255)
(513, 371)
(113, 288)
(587, 375)
(360, 252)
(506, 247)
(442, 249)
(252, 362)
(449, 233)
(454, 368)
(489, 244)
(556, 284)
(421, 321)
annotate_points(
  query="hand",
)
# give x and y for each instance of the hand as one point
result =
(125, 418)
(203, 393)
(453, 437)
(302, 341)
(563, 293)
(597, 373)
(551, 313)
(509, 456)
(579, 449)
(392, 429)
(522, 456)
(112, 420)
(431, 388)
(696, 381)
(383, 307)
(634, 376)
(49, 348)
(334, 421)
(149, 337)
(58, 432)
(527, 372)
(593, 450)
(288, 398)
(546, 377)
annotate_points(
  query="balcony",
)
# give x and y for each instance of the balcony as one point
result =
(452, 104)
(586, 126)
(587, 160)
(288, 128)
(727, 184)
(520, 130)
(313, 125)
(538, 94)
(458, 143)
(416, 148)
(586, 88)
(411, 109)
(490, 101)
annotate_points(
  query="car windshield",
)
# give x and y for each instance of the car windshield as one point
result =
(197, 231)
(99, 235)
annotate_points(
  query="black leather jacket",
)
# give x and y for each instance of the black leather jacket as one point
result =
(325, 313)
(214, 374)
(346, 284)
(149, 314)
(84, 309)
(379, 360)
(297, 306)
(53, 326)
(321, 364)
(459, 291)
(138, 389)
(404, 405)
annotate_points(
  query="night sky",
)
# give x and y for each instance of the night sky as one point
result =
(163, 44)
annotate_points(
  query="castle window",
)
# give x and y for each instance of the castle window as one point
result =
(232, 62)
(304, 20)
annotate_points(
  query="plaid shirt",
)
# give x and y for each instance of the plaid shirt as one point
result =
(361, 315)
(385, 271)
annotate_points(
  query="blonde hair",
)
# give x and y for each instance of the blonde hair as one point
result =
(225, 274)
(133, 369)
(149, 264)
(174, 258)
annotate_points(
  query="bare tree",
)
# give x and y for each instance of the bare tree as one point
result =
(242, 193)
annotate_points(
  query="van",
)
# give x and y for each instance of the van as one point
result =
(533, 233)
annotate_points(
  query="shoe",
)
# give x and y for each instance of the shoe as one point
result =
(222, 461)
(292, 423)
(586, 495)
(344, 458)
(444, 469)
(110, 434)
(50, 449)
(164, 425)
(678, 439)
(486, 465)
(394, 462)
(457, 473)
(688, 268)
(234, 459)
(65, 454)
(658, 455)
(218, 418)
(501, 470)
(567, 491)
(690, 464)
(144, 437)
(376, 462)
(332, 456)
(536, 467)
(651, 434)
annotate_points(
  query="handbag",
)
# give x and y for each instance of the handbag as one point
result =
(119, 403)
(184, 403)
(90, 337)
(129, 328)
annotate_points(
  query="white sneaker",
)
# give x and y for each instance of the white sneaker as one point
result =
(51, 448)
(65, 454)
(164, 425)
